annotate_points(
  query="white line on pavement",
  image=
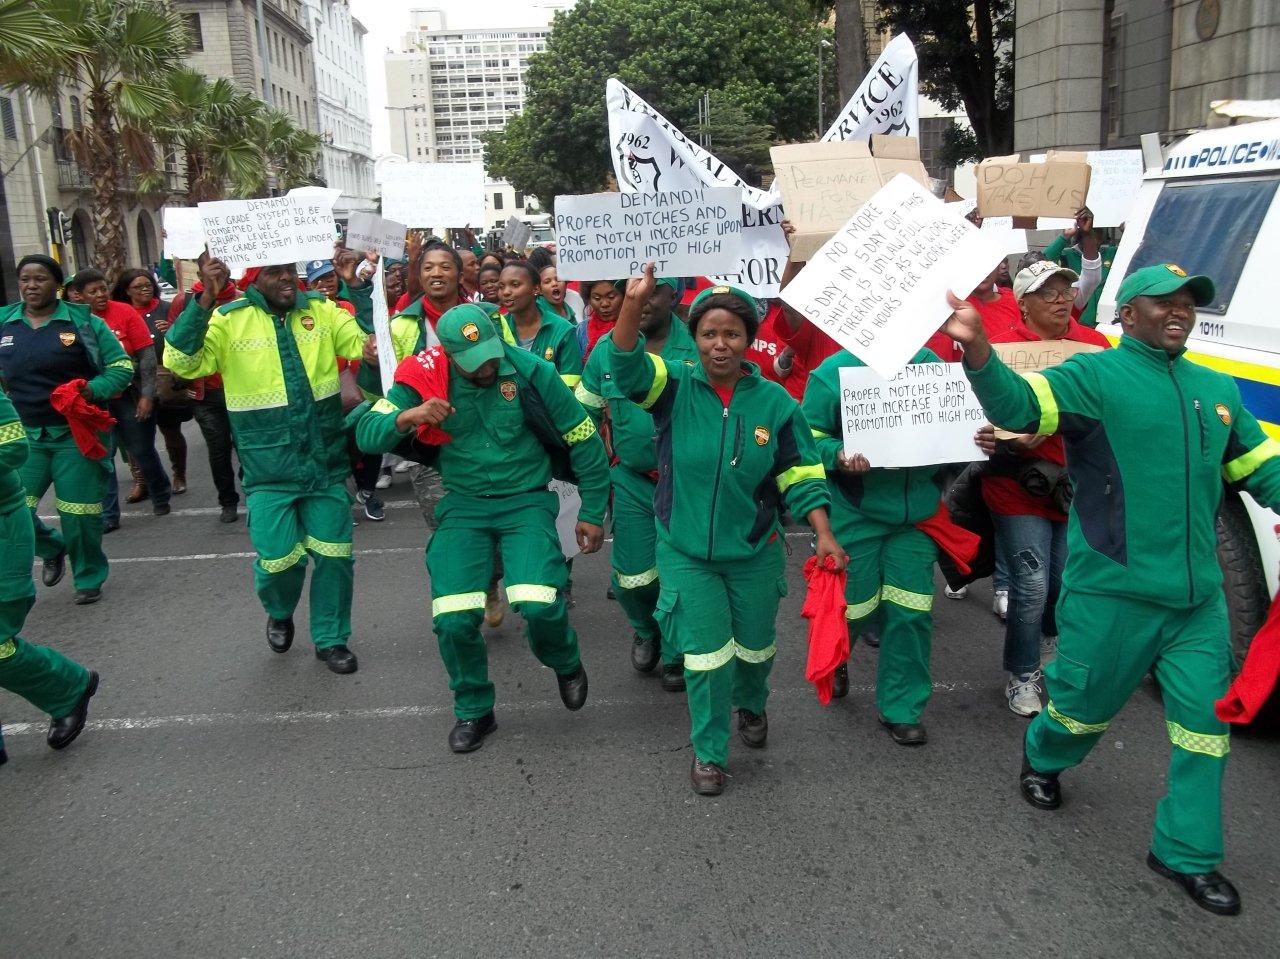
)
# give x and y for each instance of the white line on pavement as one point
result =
(205, 720)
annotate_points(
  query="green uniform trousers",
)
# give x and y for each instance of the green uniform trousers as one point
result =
(890, 577)
(460, 562)
(284, 527)
(721, 617)
(1106, 644)
(43, 677)
(634, 557)
(79, 484)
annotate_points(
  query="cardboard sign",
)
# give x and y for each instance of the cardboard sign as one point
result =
(516, 233)
(1057, 187)
(1113, 186)
(925, 415)
(434, 195)
(278, 229)
(1033, 356)
(183, 235)
(368, 231)
(878, 287)
(567, 518)
(693, 232)
(823, 184)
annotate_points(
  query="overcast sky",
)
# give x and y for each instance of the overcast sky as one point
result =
(388, 20)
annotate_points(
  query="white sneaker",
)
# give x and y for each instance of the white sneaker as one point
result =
(404, 466)
(960, 593)
(1000, 606)
(384, 479)
(1023, 693)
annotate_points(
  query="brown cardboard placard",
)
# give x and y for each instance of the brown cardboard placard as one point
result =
(1030, 356)
(1058, 187)
(824, 184)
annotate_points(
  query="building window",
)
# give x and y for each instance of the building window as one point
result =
(519, 199)
(77, 118)
(7, 121)
(497, 201)
(193, 28)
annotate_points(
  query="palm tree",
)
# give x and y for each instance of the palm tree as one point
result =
(292, 153)
(118, 51)
(214, 125)
(25, 34)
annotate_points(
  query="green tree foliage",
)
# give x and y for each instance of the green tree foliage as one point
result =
(737, 140)
(757, 56)
(966, 59)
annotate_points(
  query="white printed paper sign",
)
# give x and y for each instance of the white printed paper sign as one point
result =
(368, 231)
(567, 517)
(687, 232)
(879, 286)
(183, 235)
(1114, 180)
(924, 416)
(434, 195)
(271, 230)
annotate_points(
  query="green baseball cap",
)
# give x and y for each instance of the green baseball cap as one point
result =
(1165, 278)
(469, 337)
(668, 281)
(743, 295)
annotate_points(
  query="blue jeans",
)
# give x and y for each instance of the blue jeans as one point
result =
(138, 438)
(1035, 550)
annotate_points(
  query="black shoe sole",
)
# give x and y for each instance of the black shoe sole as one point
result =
(1161, 869)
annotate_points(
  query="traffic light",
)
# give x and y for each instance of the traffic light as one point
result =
(59, 226)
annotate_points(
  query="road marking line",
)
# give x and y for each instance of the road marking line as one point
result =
(206, 720)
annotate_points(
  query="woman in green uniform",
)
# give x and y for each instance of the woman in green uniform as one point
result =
(44, 343)
(732, 447)
(528, 322)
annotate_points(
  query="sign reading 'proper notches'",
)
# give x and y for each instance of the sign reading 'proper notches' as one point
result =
(692, 232)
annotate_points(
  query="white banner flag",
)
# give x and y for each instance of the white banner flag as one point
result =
(650, 155)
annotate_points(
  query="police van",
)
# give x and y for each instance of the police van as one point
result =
(1212, 206)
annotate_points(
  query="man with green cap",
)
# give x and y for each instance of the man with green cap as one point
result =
(498, 422)
(277, 349)
(43, 677)
(629, 436)
(1150, 437)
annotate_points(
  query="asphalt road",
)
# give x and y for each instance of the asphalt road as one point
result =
(226, 801)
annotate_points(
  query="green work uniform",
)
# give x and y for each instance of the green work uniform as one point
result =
(495, 470)
(1069, 256)
(556, 342)
(630, 437)
(54, 459)
(45, 678)
(280, 374)
(723, 475)
(1149, 440)
(874, 518)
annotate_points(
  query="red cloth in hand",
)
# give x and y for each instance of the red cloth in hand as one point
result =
(85, 419)
(1251, 689)
(427, 374)
(824, 608)
(956, 541)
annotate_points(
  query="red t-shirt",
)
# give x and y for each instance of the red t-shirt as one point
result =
(766, 349)
(128, 326)
(999, 315)
(1004, 494)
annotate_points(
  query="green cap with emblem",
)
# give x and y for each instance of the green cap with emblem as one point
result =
(469, 336)
(743, 295)
(1165, 278)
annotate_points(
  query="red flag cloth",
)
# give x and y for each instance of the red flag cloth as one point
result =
(85, 419)
(427, 374)
(1251, 689)
(956, 541)
(824, 608)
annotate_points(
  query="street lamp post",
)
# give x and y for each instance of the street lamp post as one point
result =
(822, 44)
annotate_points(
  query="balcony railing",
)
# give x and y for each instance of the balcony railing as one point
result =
(72, 176)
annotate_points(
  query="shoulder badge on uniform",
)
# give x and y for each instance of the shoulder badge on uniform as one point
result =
(308, 322)
(762, 436)
(67, 338)
(508, 390)
(471, 332)
(1224, 413)
(548, 353)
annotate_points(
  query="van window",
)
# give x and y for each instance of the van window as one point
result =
(1207, 227)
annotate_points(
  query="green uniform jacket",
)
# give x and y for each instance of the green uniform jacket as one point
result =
(1069, 256)
(281, 380)
(1149, 441)
(722, 472)
(631, 430)
(106, 355)
(13, 453)
(504, 437)
(896, 497)
(556, 342)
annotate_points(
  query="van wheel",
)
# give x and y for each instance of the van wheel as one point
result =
(1243, 580)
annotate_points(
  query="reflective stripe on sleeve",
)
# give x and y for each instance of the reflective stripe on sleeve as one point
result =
(1048, 405)
(819, 435)
(1244, 466)
(583, 431)
(530, 593)
(12, 432)
(1074, 726)
(177, 361)
(1207, 744)
(457, 603)
(704, 662)
(125, 364)
(798, 474)
(384, 405)
(659, 383)
(571, 380)
(32, 502)
(8, 649)
(584, 396)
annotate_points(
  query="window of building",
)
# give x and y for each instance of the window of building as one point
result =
(519, 198)
(497, 201)
(7, 121)
(77, 118)
(193, 28)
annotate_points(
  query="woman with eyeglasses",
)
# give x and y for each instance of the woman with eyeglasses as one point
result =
(1027, 491)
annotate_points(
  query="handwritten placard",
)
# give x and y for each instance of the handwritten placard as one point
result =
(879, 286)
(688, 232)
(434, 195)
(1113, 186)
(183, 235)
(278, 229)
(1007, 187)
(516, 233)
(370, 232)
(925, 415)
